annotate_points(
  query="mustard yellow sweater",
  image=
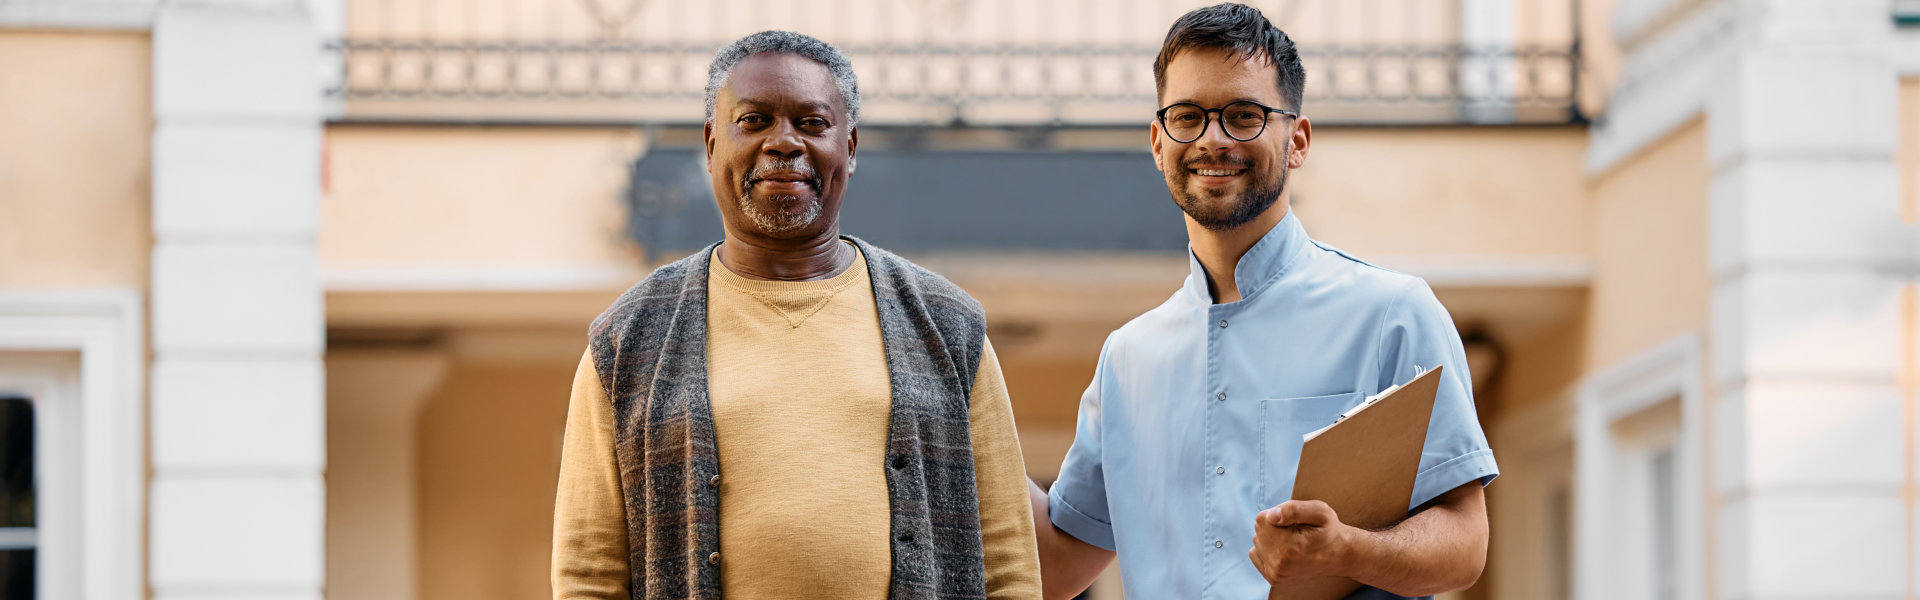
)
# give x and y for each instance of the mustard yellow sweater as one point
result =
(798, 381)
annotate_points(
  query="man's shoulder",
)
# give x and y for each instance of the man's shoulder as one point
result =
(658, 292)
(1152, 328)
(940, 292)
(1367, 286)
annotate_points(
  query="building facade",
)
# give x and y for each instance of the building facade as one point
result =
(291, 292)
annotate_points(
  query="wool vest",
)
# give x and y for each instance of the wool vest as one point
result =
(650, 349)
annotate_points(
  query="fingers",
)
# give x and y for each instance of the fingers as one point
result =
(1293, 539)
(1297, 512)
(1290, 513)
(1272, 562)
(1272, 517)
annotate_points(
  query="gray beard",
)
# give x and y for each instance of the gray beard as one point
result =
(778, 223)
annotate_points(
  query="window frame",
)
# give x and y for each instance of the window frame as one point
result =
(47, 381)
(1666, 377)
(80, 357)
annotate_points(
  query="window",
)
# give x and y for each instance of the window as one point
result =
(1639, 518)
(1645, 489)
(71, 411)
(1665, 551)
(1906, 13)
(18, 542)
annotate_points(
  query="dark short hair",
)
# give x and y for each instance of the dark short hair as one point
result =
(1242, 30)
(785, 42)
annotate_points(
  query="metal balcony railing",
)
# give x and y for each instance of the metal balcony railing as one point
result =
(942, 84)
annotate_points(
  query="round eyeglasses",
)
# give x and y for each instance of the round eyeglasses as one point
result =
(1242, 120)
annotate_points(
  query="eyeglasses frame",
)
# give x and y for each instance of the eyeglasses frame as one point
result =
(1207, 114)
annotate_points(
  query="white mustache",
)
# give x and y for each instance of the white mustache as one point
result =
(784, 164)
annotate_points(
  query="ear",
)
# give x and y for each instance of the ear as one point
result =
(1154, 138)
(706, 134)
(853, 146)
(1302, 137)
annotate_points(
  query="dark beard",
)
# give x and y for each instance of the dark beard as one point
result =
(1252, 203)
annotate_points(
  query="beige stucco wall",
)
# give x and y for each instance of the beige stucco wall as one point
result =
(464, 197)
(1541, 367)
(374, 399)
(1649, 218)
(75, 125)
(1640, 227)
(1446, 191)
(489, 461)
(1600, 59)
(1648, 224)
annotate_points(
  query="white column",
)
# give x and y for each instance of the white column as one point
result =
(1809, 257)
(330, 25)
(237, 500)
(1487, 76)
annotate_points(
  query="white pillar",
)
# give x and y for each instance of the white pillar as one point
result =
(1487, 75)
(1809, 258)
(237, 496)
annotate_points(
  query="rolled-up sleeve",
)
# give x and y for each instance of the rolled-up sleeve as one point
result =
(1077, 502)
(1419, 334)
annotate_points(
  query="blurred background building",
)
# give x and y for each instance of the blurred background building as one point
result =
(291, 291)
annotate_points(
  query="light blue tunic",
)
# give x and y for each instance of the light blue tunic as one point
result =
(1192, 423)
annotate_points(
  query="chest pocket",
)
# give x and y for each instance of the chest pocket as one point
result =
(1282, 422)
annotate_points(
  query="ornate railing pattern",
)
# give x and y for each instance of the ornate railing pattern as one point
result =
(943, 83)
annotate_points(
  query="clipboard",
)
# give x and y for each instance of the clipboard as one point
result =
(1363, 466)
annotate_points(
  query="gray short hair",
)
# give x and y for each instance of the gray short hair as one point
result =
(784, 42)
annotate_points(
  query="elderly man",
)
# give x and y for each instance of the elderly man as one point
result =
(1190, 434)
(790, 413)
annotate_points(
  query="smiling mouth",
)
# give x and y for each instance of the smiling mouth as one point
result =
(784, 180)
(1217, 172)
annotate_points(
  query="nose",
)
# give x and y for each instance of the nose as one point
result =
(784, 141)
(1214, 138)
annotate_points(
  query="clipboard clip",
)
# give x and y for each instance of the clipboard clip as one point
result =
(1417, 372)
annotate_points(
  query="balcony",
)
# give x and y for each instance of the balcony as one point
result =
(956, 63)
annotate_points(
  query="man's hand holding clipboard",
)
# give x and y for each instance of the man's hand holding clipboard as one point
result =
(1355, 476)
